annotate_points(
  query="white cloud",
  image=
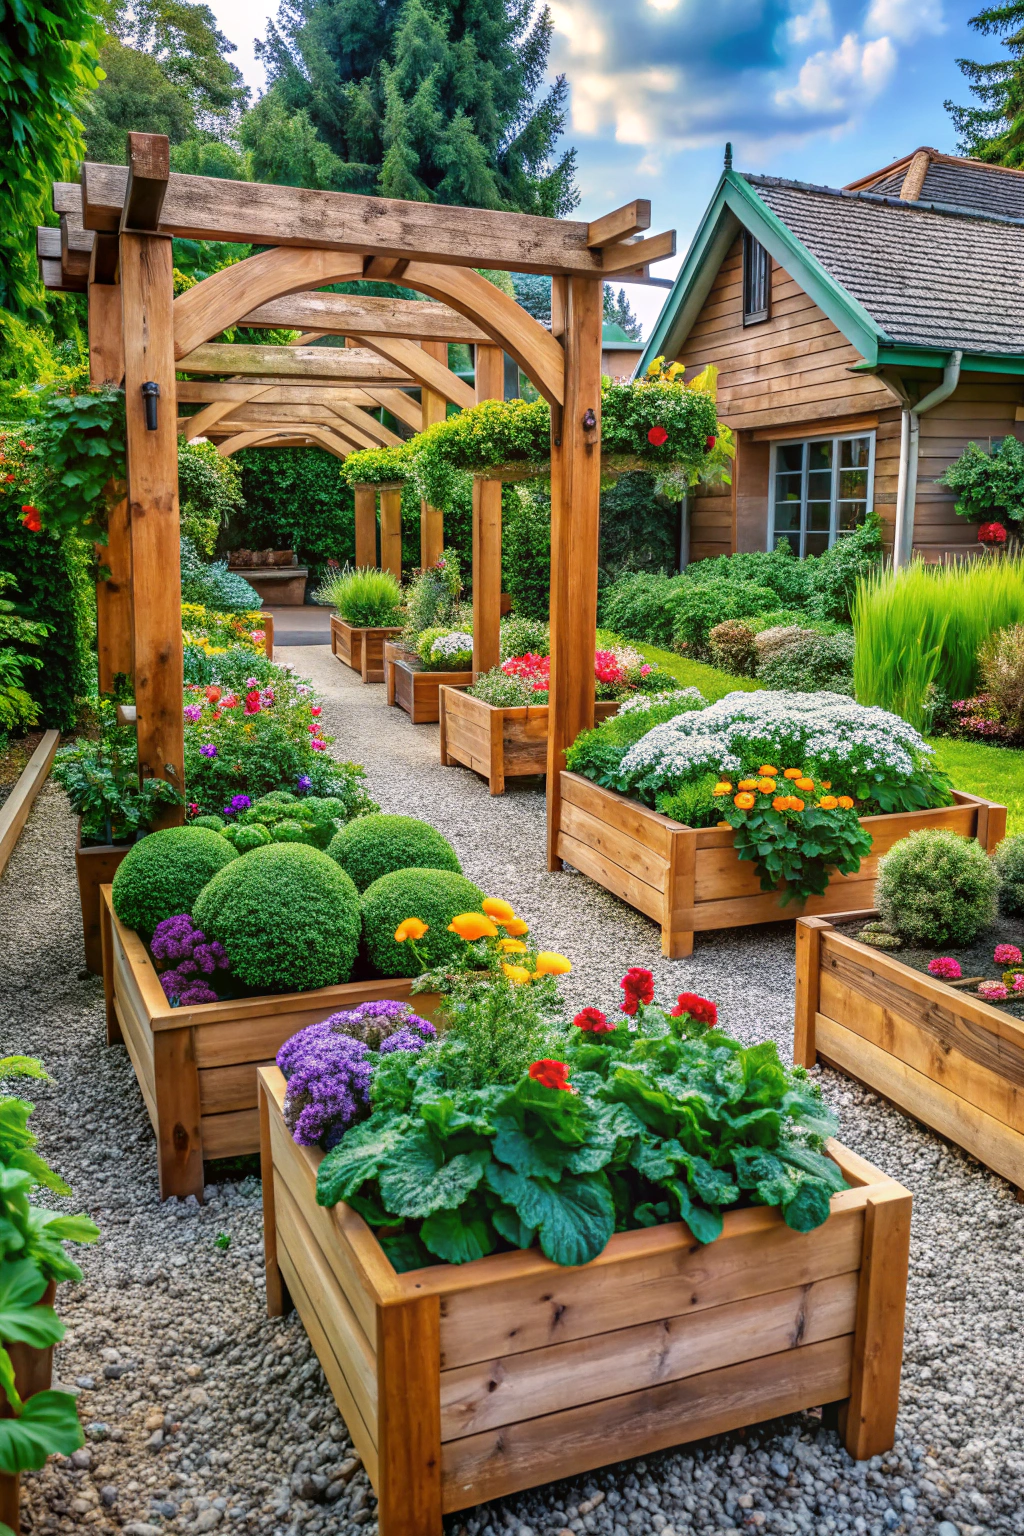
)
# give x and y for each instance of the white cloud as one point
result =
(839, 80)
(904, 20)
(813, 23)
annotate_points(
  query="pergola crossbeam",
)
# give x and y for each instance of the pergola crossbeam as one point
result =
(347, 364)
(358, 314)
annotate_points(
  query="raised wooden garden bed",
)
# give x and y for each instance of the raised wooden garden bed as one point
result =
(196, 1067)
(498, 743)
(418, 691)
(361, 649)
(690, 880)
(15, 809)
(95, 867)
(460, 1384)
(950, 1060)
(33, 1372)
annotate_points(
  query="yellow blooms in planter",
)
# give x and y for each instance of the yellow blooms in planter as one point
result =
(471, 926)
(412, 928)
(550, 963)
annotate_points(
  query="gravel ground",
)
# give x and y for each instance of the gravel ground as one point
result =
(201, 1413)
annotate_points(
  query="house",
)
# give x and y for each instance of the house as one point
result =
(619, 353)
(863, 336)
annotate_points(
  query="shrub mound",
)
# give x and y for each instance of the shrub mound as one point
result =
(937, 888)
(435, 896)
(164, 873)
(245, 838)
(373, 846)
(1009, 862)
(287, 916)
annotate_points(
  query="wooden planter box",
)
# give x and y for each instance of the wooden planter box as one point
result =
(419, 692)
(33, 1372)
(950, 1060)
(95, 867)
(690, 880)
(360, 649)
(460, 1384)
(498, 743)
(196, 1067)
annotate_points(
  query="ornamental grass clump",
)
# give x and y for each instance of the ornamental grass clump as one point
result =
(367, 599)
(163, 874)
(936, 888)
(287, 916)
(373, 846)
(434, 897)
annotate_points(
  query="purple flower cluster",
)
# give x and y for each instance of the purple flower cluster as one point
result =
(329, 1067)
(237, 803)
(209, 750)
(303, 783)
(179, 942)
(193, 712)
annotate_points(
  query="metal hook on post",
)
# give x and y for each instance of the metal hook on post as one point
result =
(150, 396)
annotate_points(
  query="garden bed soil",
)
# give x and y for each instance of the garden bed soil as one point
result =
(96, 865)
(417, 691)
(196, 1066)
(498, 743)
(947, 1058)
(361, 648)
(22, 775)
(691, 879)
(33, 1372)
(460, 1384)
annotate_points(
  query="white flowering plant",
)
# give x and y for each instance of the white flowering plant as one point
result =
(877, 757)
(643, 703)
(443, 650)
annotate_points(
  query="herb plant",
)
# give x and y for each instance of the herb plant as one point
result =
(101, 780)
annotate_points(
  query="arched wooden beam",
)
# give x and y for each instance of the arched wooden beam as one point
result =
(419, 365)
(222, 299)
(263, 436)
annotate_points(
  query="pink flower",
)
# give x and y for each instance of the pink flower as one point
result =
(945, 967)
(1007, 954)
(992, 991)
(1018, 982)
(646, 668)
(319, 746)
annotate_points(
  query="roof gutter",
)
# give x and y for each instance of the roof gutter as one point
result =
(910, 443)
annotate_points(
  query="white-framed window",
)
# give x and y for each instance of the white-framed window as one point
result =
(820, 489)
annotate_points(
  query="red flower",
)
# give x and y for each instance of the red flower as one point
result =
(213, 694)
(229, 701)
(252, 702)
(638, 986)
(551, 1074)
(31, 519)
(317, 708)
(992, 533)
(701, 1011)
(592, 1021)
(656, 436)
(709, 442)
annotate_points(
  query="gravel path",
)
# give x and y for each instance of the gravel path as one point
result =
(200, 1413)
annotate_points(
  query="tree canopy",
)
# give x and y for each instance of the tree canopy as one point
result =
(993, 130)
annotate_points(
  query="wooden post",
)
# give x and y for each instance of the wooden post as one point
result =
(435, 408)
(409, 1418)
(391, 529)
(278, 1299)
(114, 593)
(179, 1148)
(106, 339)
(148, 294)
(808, 977)
(490, 385)
(867, 1421)
(575, 526)
(366, 526)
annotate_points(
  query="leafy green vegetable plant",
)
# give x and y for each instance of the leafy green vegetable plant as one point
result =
(101, 780)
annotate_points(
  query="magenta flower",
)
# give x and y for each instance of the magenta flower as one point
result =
(945, 967)
(208, 750)
(193, 712)
(1007, 954)
(318, 746)
(1018, 982)
(993, 991)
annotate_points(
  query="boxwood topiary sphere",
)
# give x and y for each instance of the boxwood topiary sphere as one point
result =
(287, 916)
(246, 838)
(372, 846)
(290, 831)
(1009, 862)
(212, 822)
(163, 874)
(433, 895)
(937, 888)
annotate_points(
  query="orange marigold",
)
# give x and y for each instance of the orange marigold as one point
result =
(766, 786)
(518, 975)
(515, 926)
(826, 783)
(767, 771)
(846, 802)
(724, 826)
(723, 787)
(743, 801)
(795, 804)
(413, 928)
(807, 785)
(793, 773)
(748, 784)
(472, 925)
(781, 803)
(828, 802)
(512, 946)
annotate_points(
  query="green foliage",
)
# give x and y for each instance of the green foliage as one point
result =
(639, 528)
(135, 95)
(368, 598)
(316, 818)
(995, 773)
(988, 485)
(243, 838)
(163, 873)
(812, 663)
(800, 847)
(994, 129)
(521, 636)
(637, 607)
(787, 577)
(836, 575)
(214, 586)
(694, 804)
(501, 691)
(1009, 866)
(925, 624)
(598, 754)
(17, 708)
(373, 846)
(732, 647)
(101, 780)
(295, 499)
(432, 597)
(285, 149)
(937, 888)
(698, 607)
(79, 443)
(435, 896)
(442, 649)
(47, 65)
(493, 433)
(287, 915)
(50, 354)
(377, 466)
(617, 311)
(209, 491)
(526, 549)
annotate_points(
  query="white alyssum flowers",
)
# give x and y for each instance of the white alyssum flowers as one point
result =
(452, 645)
(641, 703)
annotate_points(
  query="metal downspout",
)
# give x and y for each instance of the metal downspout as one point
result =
(910, 443)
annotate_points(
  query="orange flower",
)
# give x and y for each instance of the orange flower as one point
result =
(723, 787)
(846, 802)
(515, 926)
(550, 963)
(793, 773)
(518, 975)
(768, 772)
(826, 783)
(472, 925)
(766, 786)
(795, 804)
(743, 801)
(512, 946)
(781, 803)
(807, 785)
(496, 908)
(828, 802)
(724, 826)
(748, 783)
(412, 928)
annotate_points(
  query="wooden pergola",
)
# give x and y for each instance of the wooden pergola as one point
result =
(115, 238)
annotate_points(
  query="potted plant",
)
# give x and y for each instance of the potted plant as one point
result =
(367, 606)
(434, 607)
(541, 1247)
(443, 656)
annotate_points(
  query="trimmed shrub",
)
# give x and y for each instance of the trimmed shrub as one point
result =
(295, 499)
(526, 548)
(373, 846)
(163, 874)
(212, 823)
(732, 647)
(772, 642)
(435, 896)
(936, 888)
(246, 838)
(835, 574)
(287, 916)
(787, 578)
(698, 606)
(812, 663)
(1009, 864)
(637, 607)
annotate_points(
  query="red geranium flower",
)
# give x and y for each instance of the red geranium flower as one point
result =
(30, 519)
(709, 442)
(592, 1021)
(656, 436)
(252, 702)
(316, 710)
(638, 986)
(992, 533)
(551, 1074)
(213, 694)
(699, 1008)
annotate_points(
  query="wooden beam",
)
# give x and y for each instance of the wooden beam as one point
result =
(339, 313)
(221, 299)
(320, 415)
(434, 409)
(103, 262)
(384, 269)
(147, 295)
(114, 619)
(490, 385)
(632, 219)
(67, 197)
(106, 336)
(365, 423)
(638, 253)
(300, 363)
(366, 526)
(913, 182)
(391, 530)
(149, 165)
(419, 365)
(48, 241)
(199, 424)
(75, 246)
(283, 392)
(575, 521)
(402, 406)
(284, 437)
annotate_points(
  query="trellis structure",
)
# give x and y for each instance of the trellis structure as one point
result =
(115, 242)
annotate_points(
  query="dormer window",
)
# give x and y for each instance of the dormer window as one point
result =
(757, 281)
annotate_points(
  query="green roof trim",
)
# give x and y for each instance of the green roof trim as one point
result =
(930, 357)
(736, 206)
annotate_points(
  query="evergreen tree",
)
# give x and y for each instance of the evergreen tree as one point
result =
(618, 312)
(433, 102)
(994, 130)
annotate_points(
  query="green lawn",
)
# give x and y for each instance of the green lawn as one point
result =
(712, 683)
(994, 772)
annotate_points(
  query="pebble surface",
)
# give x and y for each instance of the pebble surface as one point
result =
(201, 1414)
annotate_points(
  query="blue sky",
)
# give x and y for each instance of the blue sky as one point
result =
(821, 90)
